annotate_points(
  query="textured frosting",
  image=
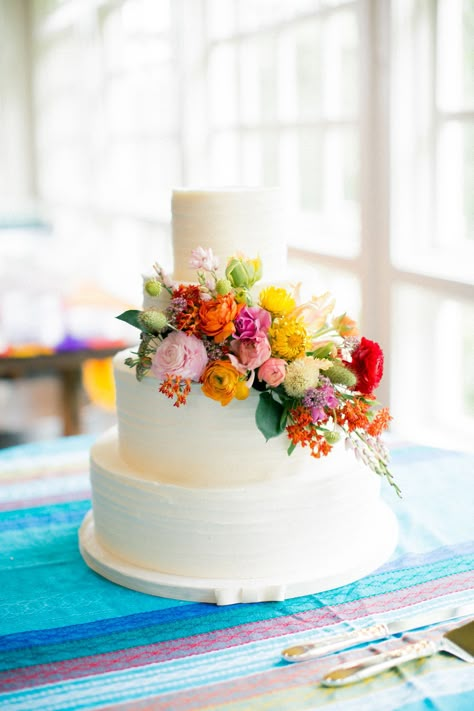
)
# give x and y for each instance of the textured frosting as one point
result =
(250, 221)
(200, 444)
(287, 528)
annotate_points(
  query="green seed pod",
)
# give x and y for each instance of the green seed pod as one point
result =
(332, 437)
(223, 286)
(153, 320)
(153, 287)
(341, 375)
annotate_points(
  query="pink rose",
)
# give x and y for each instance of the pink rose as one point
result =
(252, 353)
(251, 322)
(272, 372)
(179, 354)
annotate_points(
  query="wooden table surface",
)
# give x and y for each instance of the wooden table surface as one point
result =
(66, 366)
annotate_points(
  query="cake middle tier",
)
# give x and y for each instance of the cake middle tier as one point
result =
(201, 443)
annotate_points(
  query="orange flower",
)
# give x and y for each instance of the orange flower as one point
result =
(345, 326)
(222, 382)
(353, 414)
(217, 316)
(303, 432)
(174, 386)
(380, 422)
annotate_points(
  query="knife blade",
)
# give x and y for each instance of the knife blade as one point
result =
(459, 642)
(305, 651)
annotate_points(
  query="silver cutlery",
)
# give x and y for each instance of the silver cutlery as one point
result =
(304, 651)
(459, 642)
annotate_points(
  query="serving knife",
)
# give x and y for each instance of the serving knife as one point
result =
(305, 651)
(459, 642)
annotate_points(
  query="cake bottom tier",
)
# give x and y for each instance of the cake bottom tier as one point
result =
(259, 542)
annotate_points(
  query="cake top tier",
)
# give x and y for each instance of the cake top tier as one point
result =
(229, 220)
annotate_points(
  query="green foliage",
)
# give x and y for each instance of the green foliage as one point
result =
(323, 351)
(132, 317)
(270, 416)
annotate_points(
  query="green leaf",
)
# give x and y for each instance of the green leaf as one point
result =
(283, 418)
(323, 351)
(131, 317)
(291, 449)
(269, 416)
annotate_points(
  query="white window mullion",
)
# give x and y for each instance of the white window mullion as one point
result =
(374, 131)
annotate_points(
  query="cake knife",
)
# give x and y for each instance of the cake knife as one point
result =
(305, 651)
(458, 641)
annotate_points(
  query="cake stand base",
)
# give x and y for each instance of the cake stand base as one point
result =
(231, 591)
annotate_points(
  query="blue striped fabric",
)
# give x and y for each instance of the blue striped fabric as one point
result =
(71, 639)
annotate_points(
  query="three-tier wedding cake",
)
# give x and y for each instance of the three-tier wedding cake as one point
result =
(194, 502)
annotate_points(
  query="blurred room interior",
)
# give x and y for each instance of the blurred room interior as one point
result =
(362, 111)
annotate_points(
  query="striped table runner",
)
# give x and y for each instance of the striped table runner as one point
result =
(72, 640)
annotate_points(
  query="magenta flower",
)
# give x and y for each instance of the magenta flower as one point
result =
(251, 322)
(317, 399)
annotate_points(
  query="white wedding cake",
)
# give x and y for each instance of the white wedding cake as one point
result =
(192, 502)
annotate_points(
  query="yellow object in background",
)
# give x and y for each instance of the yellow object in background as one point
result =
(98, 381)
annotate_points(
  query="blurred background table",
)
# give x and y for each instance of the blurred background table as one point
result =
(67, 367)
(71, 639)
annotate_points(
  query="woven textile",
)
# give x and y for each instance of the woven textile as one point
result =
(71, 639)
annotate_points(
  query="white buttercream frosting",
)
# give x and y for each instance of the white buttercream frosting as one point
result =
(200, 444)
(309, 523)
(250, 221)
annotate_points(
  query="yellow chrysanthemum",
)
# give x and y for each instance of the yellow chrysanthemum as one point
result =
(289, 338)
(277, 300)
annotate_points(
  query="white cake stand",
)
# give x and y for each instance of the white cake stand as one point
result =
(231, 591)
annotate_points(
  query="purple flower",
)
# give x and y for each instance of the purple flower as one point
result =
(317, 399)
(251, 323)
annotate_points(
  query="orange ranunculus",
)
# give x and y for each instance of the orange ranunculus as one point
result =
(220, 381)
(217, 316)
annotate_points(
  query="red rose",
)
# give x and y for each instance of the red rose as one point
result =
(367, 365)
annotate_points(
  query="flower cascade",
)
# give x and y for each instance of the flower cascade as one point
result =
(315, 375)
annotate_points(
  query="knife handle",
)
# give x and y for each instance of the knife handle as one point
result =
(376, 663)
(334, 643)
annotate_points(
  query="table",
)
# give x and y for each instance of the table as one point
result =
(67, 367)
(74, 640)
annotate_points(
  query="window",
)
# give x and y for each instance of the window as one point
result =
(362, 110)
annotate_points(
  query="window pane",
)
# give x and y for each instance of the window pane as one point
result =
(309, 69)
(317, 279)
(456, 54)
(224, 159)
(456, 183)
(328, 189)
(222, 85)
(432, 393)
(263, 13)
(258, 80)
(220, 17)
(340, 52)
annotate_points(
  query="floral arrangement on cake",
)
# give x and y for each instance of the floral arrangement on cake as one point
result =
(315, 374)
